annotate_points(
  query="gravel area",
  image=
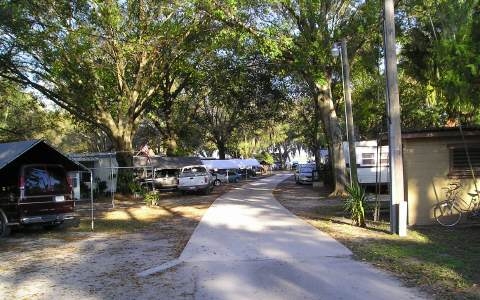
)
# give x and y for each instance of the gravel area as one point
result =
(67, 264)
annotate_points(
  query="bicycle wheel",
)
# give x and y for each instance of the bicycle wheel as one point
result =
(447, 214)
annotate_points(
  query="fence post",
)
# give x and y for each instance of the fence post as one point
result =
(91, 201)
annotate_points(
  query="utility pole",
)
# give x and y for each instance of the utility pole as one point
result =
(398, 206)
(349, 116)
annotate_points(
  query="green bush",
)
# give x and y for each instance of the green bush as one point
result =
(136, 188)
(355, 204)
(125, 182)
(152, 198)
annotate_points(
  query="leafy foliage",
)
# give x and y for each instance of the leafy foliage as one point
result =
(441, 52)
(100, 61)
(21, 116)
(239, 95)
(266, 157)
(240, 76)
(152, 198)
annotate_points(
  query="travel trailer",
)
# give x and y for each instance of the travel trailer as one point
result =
(372, 162)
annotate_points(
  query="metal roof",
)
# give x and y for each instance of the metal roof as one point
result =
(165, 162)
(34, 151)
(91, 156)
(10, 151)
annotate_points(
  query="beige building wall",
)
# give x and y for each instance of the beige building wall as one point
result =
(426, 168)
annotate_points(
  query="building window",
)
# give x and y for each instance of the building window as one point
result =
(368, 158)
(459, 161)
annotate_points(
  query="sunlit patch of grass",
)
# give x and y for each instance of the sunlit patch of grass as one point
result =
(423, 258)
(143, 213)
(125, 220)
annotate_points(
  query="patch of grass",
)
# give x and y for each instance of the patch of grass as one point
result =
(444, 262)
(330, 211)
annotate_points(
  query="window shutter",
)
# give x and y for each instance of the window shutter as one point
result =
(459, 165)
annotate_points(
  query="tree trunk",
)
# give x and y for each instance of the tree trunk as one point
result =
(280, 155)
(221, 149)
(316, 155)
(122, 141)
(323, 99)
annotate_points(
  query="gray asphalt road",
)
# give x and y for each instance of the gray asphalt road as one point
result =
(248, 246)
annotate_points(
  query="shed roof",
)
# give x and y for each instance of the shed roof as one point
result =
(440, 132)
(14, 154)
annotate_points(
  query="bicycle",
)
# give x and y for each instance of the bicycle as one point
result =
(449, 211)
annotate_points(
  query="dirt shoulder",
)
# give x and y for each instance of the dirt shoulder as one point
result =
(80, 264)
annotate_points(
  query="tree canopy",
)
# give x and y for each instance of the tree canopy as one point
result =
(240, 77)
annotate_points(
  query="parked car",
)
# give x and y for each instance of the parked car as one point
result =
(37, 194)
(225, 175)
(304, 173)
(195, 178)
(163, 179)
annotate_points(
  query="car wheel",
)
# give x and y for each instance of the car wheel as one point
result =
(4, 228)
(217, 182)
(206, 191)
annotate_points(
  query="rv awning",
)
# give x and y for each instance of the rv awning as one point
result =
(13, 155)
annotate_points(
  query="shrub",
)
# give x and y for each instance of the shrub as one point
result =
(152, 198)
(355, 204)
(125, 179)
(136, 188)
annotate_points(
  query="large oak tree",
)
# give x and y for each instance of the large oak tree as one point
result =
(102, 61)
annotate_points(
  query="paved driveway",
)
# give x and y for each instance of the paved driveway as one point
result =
(248, 246)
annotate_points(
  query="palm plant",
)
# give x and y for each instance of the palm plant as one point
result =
(355, 204)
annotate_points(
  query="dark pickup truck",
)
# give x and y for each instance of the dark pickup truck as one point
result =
(37, 194)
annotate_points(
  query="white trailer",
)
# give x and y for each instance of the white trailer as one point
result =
(372, 162)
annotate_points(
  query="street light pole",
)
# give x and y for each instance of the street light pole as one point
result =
(348, 109)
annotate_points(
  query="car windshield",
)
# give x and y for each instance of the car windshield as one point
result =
(193, 171)
(41, 180)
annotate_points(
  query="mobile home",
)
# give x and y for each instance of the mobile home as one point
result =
(372, 162)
